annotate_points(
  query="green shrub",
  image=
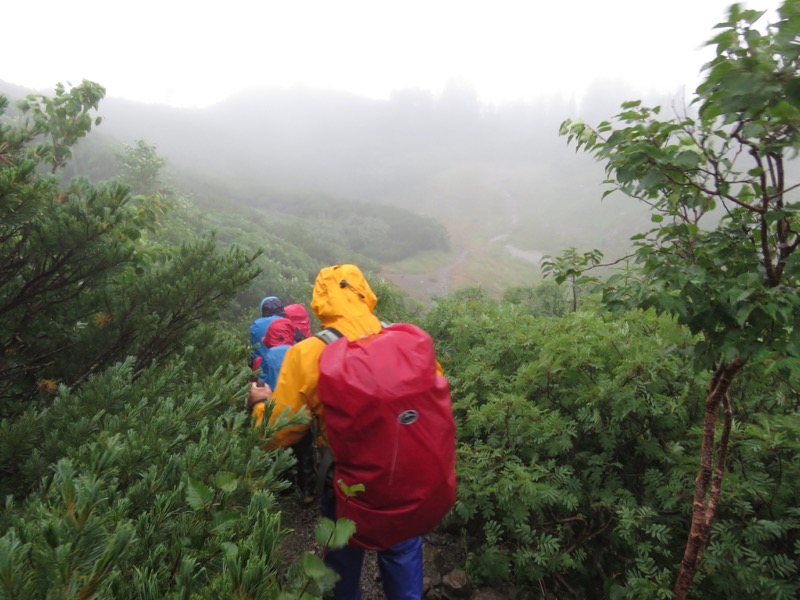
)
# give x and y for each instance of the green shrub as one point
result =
(576, 456)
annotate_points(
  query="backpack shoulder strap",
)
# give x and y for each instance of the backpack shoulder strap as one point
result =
(329, 335)
(325, 466)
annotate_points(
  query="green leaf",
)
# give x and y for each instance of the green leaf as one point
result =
(323, 532)
(784, 110)
(226, 481)
(753, 130)
(230, 549)
(350, 490)
(313, 566)
(197, 494)
(743, 313)
(345, 528)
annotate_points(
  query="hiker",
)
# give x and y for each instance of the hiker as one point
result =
(271, 309)
(343, 301)
(280, 336)
(298, 314)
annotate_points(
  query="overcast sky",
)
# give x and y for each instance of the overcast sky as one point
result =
(195, 53)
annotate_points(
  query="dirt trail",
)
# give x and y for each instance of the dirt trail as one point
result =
(423, 287)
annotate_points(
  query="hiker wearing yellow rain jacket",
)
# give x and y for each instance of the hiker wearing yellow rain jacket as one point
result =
(342, 299)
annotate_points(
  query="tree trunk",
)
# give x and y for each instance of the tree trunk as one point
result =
(704, 507)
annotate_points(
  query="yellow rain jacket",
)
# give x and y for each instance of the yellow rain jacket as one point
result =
(342, 299)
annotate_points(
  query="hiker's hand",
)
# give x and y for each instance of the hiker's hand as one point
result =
(258, 393)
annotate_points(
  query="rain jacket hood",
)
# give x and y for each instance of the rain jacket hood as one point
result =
(299, 316)
(343, 299)
(279, 333)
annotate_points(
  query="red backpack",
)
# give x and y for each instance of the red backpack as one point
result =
(389, 423)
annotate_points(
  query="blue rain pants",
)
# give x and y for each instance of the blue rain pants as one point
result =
(400, 566)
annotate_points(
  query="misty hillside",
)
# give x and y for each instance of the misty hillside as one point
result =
(500, 179)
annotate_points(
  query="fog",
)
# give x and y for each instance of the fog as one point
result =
(183, 53)
(501, 180)
(446, 109)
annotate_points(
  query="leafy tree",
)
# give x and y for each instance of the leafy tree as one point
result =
(80, 287)
(141, 166)
(734, 283)
(60, 120)
(571, 266)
